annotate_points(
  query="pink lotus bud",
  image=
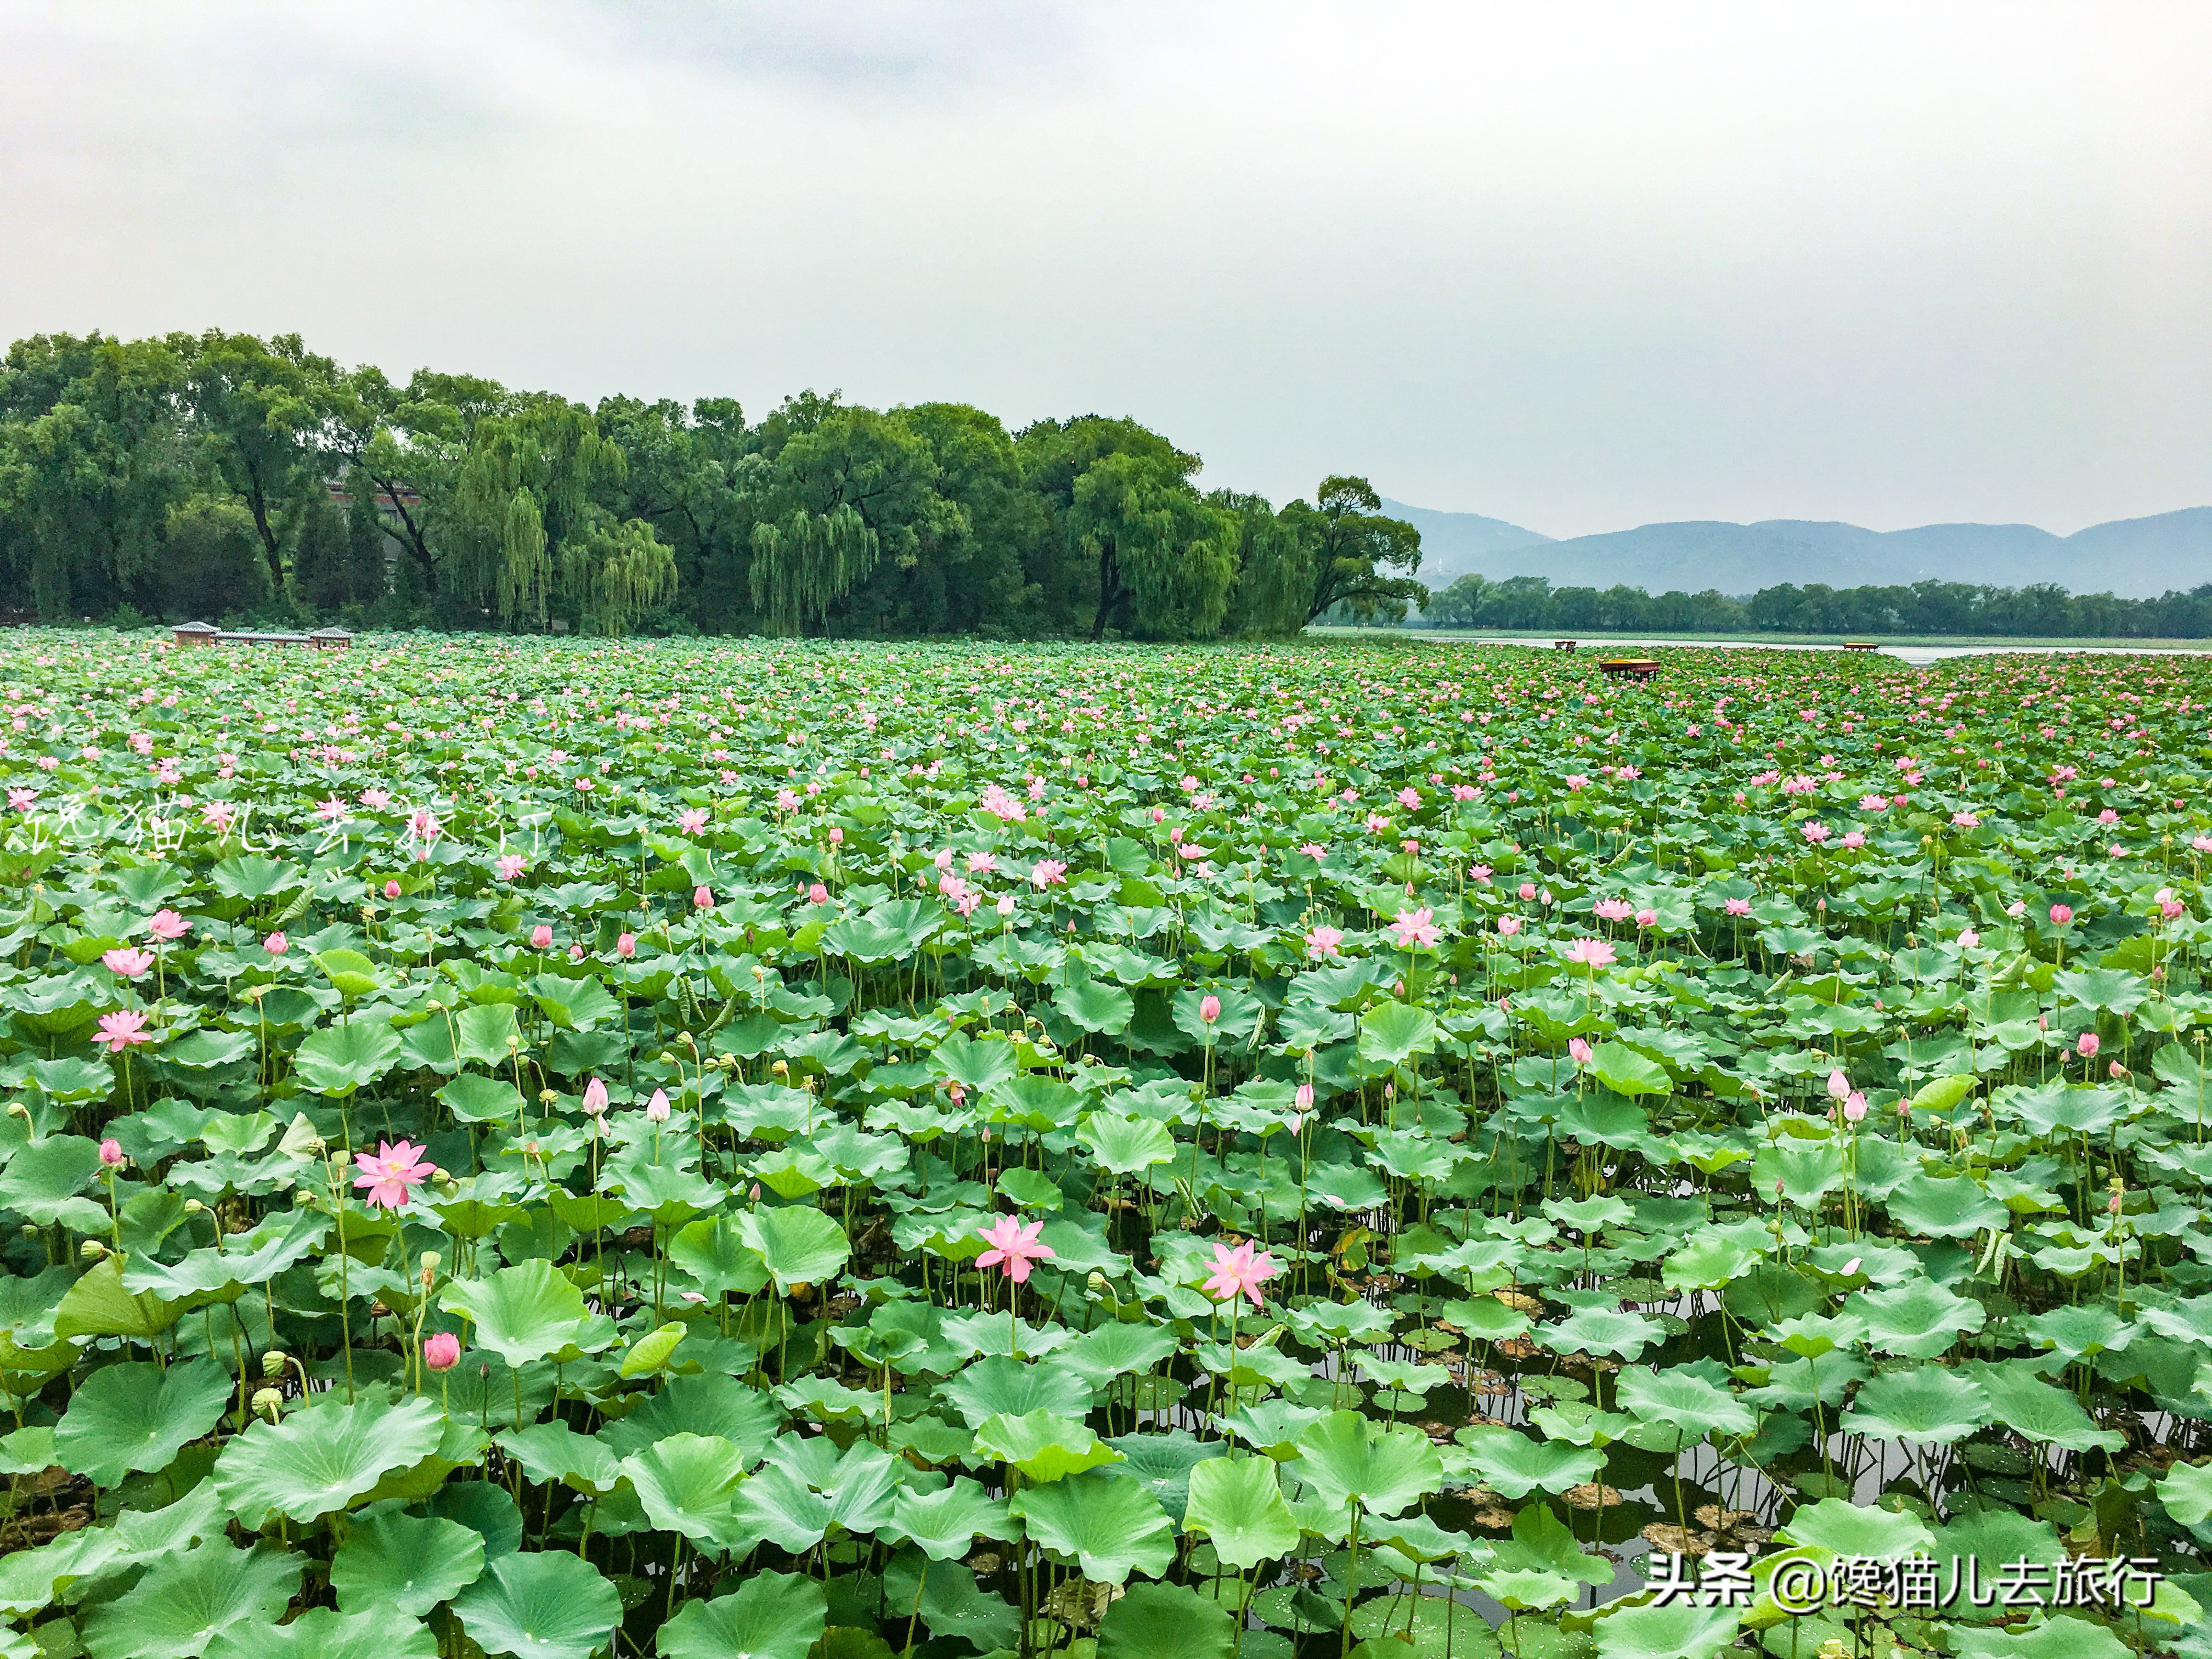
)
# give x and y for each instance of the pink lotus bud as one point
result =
(541, 936)
(1528, 890)
(575, 953)
(1578, 1051)
(837, 836)
(656, 1109)
(442, 1352)
(1855, 1106)
(818, 894)
(1304, 1098)
(1647, 918)
(595, 1096)
(2061, 914)
(391, 890)
(626, 946)
(2087, 1046)
(110, 1152)
(1968, 938)
(276, 944)
(1209, 1009)
(702, 898)
(1838, 1085)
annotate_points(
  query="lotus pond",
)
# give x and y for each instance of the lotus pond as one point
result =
(707, 1149)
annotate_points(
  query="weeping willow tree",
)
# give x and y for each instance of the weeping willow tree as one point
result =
(616, 573)
(533, 535)
(1273, 581)
(1166, 559)
(806, 564)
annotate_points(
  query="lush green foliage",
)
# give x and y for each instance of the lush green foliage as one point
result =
(500, 1137)
(1925, 607)
(222, 476)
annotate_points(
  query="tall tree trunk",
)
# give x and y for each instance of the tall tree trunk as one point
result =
(1109, 590)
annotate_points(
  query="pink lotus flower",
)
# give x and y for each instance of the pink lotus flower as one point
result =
(1873, 803)
(1528, 890)
(692, 821)
(1014, 1247)
(392, 1172)
(1240, 1271)
(1613, 909)
(129, 961)
(1049, 872)
(2087, 1045)
(391, 890)
(1508, 926)
(1417, 928)
(110, 1152)
(1578, 1051)
(540, 936)
(329, 808)
(1854, 1107)
(1304, 1098)
(1592, 952)
(1815, 832)
(21, 801)
(374, 799)
(512, 864)
(818, 894)
(1647, 918)
(442, 1352)
(2061, 914)
(1968, 938)
(120, 1029)
(702, 898)
(1209, 1009)
(167, 925)
(276, 944)
(1314, 849)
(1323, 942)
(1737, 907)
(626, 946)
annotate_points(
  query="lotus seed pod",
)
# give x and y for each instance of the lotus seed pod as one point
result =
(268, 1402)
(274, 1362)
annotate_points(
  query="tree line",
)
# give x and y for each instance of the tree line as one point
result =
(1925, 607)
(230, 477)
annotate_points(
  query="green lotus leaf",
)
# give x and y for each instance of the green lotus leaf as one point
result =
(1849, 1529)
(714, 1253)
(1348, 1459)
(687, 1482)
(1237, 1503)
(769, 1615)
(797, 1245)
(542, 1605)
(999, 1384)
(652, 1352)
(1104, 1009)
(527, 1312)
(1515, 1465)
(1166, 1621)
(43, 1178)
(1043, 1444)
(1109, 1528)
(1394, 1032)
(1127, 1145)
(337, 1059)
(1919, 1320)
(320, 1634)
(392, 1560)
(1163, 1463)
(1926, 1404)
(1541, 1543)
(2056, 1638)
(323, 1457)
(1626, 1071)
(945, 1523)
(1603, 1331)
(188, 1598)
(1678, 1631)
(138, 1416)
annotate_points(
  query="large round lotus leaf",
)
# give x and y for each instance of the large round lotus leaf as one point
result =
(1927, 1404)
(1127, 1145)
(1602, 1331)
(769, 1615)
(1109, 1528)
(46, 1176)
(1848, 1529)
(797, 1245)
(713, 1251)
(529, 1311)
(1515, 1465)
(1166, 1621)
(686, 1482)
(1919, 1320)
(324, 1456)
(2056, 1637)
(1350, 1459)
(319, 1633)
(989, 1387)
(1237, 1504)
(1690, 1404)
(540, 1605)
(1043, 1445)
(1678, 1630)
(1407, 1626)
(187, 1598)
(138, 1416)
(946, 1522)
(1162, 1464)
(338, 1059)
(391, 1559)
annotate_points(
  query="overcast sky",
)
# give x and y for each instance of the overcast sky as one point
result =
(1578, 267)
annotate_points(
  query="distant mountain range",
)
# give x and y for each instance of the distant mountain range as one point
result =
(2135, 558)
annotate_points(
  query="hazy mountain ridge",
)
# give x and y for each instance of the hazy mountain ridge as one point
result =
(2138, 558)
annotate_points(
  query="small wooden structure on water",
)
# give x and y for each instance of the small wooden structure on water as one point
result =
(323, 639)
(1628, 668)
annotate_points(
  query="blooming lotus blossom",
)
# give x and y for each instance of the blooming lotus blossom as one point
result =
(375, 800)
(1579, 1051)
(1240, 1271)
(1014, 1247)
(391, 1173)
(1323, 942)
(120, 1029)
(442, 1352)
(1591, 952)
(1968, 938)
(511, 864)
(1417, 928)
(1049, 872)
(692, 820)
(2087, 1045)
(167, 925)
(129, 962)
(1613, 909)
(2061, 914)
(1508, 926)
(1738, 907)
